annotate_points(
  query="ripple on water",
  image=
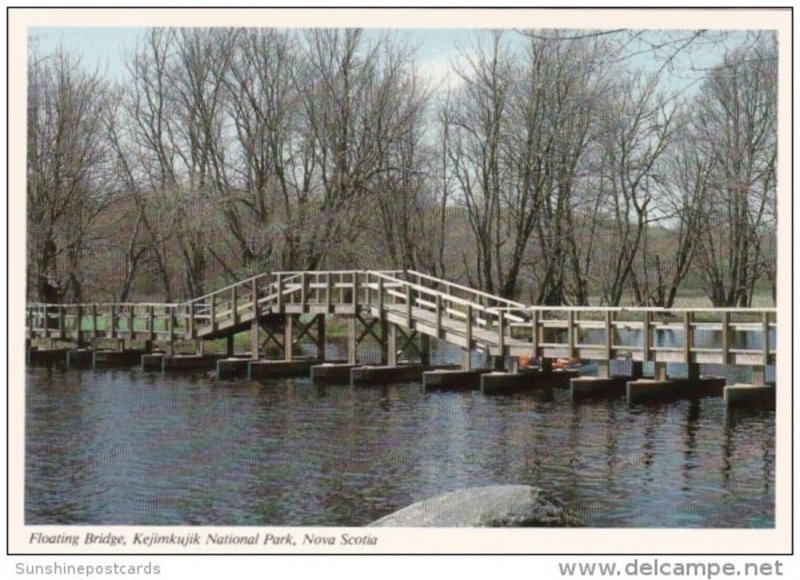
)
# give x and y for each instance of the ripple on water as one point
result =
(140, 448)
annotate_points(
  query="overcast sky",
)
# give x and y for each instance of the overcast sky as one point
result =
(107, 49)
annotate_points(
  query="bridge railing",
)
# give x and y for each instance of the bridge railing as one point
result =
(478, 323)
(79, 322)
(697, 335)
(226, 306)
(471, 295)
(322, 290)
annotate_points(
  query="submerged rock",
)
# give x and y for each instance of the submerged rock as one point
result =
(493, 506)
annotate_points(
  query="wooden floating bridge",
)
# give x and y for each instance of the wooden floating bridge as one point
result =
(401, 311)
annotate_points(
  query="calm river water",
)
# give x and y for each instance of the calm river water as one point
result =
(135, 448)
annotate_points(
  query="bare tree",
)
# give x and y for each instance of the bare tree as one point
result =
(565, 91)
(735, 129)
(67, 173)
(638, 126)
(145, 147)
(268, 165)
(521, 128)
(200, 61)
(477, 122)
(358, 103)
(177, 107)
(671, 237)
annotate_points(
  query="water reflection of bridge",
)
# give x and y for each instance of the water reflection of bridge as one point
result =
(400, 311)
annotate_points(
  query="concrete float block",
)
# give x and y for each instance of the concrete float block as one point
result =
(190, 362)
(47, 356)
(80, 358)
(232, 367)
(642, 390)
(452, 380)
(501, 383)
(117, 358)
(382, 375)
(597, 387)
(269, 369)
(756, 396)
(153, 361)
(331, 373)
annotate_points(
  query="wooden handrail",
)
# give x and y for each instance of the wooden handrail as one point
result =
(478, 317)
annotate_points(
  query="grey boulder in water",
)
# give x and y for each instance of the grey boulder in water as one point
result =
(493, 506)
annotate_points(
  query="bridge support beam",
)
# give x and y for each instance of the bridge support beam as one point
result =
(758, 376)
(288, 337)
(254, 344)
(425, 349)
(321, 337)
(466, 359)
(352, 342)
(498, 363)
(389, 348)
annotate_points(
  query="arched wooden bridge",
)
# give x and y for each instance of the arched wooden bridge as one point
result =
(397, 308)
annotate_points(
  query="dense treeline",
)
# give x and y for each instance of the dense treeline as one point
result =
(557, 167)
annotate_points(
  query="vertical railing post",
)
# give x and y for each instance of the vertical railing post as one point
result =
(438, 315)
(131, 315)
(151, 327)
(466, 353)
(190, 321)
(468, 330)
(571, 333)
(765, 341)
(171, 325)
(501, 333)
(61, 329)
(535, 334)
(409, 305)
(213, 311)
(254, 297)
(609, 334)
(328, 292)
(687, 337)
(235, 304)
(303, 292)
(692, 368)
(355, 291)
(279, 285)
(78, 321)
(726, 337)
(647, 340)
(380, 295)
(112, 323)
(94, 321)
